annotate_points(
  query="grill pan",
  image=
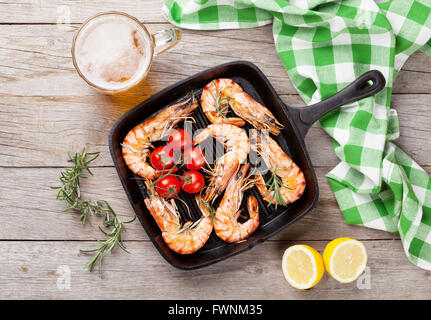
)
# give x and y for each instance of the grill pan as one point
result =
(296, 120)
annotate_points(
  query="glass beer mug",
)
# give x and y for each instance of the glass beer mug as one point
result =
(113, 51)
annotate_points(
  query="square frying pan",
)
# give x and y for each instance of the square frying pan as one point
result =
(296, 120)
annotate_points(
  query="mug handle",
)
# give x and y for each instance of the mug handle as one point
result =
(165, 39)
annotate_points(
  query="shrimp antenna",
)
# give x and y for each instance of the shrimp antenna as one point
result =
(187, 206)
(189, 225)
(208, 171)
(174, 206)
(170, 124)
(249, 183)
(185, 118)
(193, 96)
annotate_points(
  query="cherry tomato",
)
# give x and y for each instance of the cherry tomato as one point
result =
(179, 139)
(162, 158)
(194, 158)
(192, 181)
(168, 186)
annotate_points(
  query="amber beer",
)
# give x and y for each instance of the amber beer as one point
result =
(113, 51)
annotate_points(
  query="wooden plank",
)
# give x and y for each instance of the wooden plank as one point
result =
(37, 62)
(57, 11)
(30, 211)
(419, 61)
(415, 122)
(43, 62)
(40, 266)
(40, 131)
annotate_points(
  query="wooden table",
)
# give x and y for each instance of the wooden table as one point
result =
(47, 111)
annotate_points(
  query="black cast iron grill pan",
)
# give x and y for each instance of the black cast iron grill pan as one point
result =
(296, 121)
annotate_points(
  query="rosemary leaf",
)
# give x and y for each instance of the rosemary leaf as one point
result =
(221, 107)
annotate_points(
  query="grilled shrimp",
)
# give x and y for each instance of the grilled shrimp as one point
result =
(237, 145)
(137, 143)
(291, 179)
(219, 94)
(226, 224)
(215, 103)
(183, 239)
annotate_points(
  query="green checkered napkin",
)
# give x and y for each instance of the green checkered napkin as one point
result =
(324, 46)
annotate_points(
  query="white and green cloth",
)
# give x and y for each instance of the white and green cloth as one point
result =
(325, 45)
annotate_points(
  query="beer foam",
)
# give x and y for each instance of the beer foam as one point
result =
(112, 51)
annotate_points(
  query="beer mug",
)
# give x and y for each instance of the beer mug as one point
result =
(113, 51)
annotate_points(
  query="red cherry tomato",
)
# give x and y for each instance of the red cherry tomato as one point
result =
(192, 181)
(168, 186)
(179, 139)
(162, 158)
(194, 158)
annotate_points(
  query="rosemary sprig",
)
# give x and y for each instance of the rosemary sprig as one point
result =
(111, 220)
(70, 193)
(274, 184)
(221, 108)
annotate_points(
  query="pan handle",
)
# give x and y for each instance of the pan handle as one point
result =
(366, 85)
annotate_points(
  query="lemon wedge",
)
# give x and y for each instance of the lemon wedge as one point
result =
(345, 259)
(302, 266)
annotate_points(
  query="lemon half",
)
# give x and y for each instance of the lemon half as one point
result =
(345, 259)
(302, 266)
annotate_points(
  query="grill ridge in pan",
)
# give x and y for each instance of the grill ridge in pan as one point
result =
(297, 121)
